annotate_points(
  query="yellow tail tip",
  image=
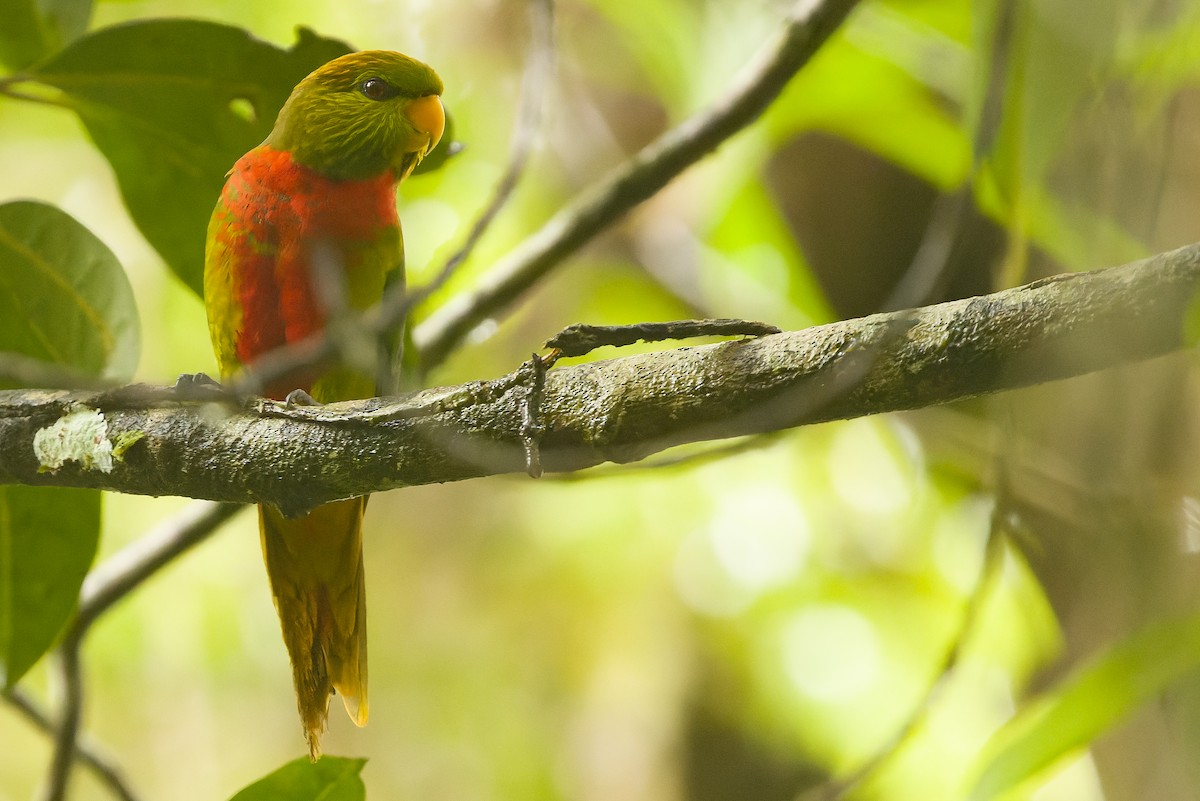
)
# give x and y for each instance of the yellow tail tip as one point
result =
(356, 708)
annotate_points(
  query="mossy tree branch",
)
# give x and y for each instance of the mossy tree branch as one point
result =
(619, 410)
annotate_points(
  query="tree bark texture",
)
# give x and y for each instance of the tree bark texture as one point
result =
(144, 440)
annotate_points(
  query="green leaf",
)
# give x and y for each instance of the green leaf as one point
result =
(1088, 704)
(63, 299)
(63, 295)
(48, 538)
(330, 779)
(35, 28)
(172, 104)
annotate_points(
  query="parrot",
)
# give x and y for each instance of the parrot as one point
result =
(306, 230)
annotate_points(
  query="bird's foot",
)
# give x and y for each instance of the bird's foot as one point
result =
(199, 386)
(298, 397)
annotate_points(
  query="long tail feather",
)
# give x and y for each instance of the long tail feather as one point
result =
(316, 570)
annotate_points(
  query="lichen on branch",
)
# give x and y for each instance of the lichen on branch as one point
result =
(622, 409)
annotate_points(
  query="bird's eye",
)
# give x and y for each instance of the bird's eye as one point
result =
(377, 89)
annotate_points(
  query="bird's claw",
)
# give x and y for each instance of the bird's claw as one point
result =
(199, 386)
(298, 397)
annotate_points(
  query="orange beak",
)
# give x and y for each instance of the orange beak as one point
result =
(428, 117)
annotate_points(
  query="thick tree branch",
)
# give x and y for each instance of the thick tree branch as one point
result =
(619, 410)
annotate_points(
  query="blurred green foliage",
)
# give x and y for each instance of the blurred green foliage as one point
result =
(35, 28)
(746, 626)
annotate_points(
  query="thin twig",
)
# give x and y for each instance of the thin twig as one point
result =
(926, 274)
(808, 26)
(85, 751)
(104, 586)
(71, 710)
(989, 573)
(533, 91)
(125, 570)
(26, 371)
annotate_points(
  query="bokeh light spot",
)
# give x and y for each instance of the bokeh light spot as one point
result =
(831, 653)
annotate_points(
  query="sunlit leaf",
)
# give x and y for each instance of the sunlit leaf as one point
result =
(330, 779)
(173, 104)
(35, 28)
(1088, 704)
(48, 539)
(64, 299)
(63, 296)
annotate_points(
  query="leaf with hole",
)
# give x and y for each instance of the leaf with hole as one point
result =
(172, 104)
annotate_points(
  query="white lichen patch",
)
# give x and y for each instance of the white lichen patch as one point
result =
(81, 435)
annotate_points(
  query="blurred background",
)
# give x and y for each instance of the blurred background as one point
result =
(750, 622)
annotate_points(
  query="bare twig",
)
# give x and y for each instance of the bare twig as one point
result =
(125, 570)
(533, 91)
(990, 571)
(104, 586)
(26, 371)
(70, 711)
(927, 272)
(809, 25)
(86, 752)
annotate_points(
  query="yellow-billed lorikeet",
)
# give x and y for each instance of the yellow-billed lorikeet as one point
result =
(305, 230)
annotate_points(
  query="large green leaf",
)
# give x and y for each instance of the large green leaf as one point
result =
(63, 296)
(35, 28)
(173, 104)
(63, 299)
(48, 539)
(331, 779)
(1088, 704)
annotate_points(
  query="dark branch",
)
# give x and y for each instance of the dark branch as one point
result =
(106, 585)
(808, 27)
(85, 752)
(125, 570)
(619, 410)
(66, 734)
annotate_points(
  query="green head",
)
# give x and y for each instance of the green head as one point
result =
(362, 114)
